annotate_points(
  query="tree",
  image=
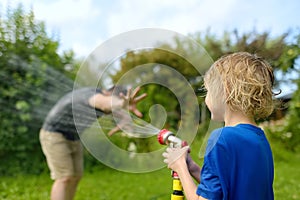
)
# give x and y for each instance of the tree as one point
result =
(288, 131)
(32, 77)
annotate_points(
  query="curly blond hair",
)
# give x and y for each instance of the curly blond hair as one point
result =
(245, 82)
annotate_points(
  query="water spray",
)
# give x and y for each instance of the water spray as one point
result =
(166, 137)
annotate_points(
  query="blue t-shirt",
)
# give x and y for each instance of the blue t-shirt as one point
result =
(238, 165)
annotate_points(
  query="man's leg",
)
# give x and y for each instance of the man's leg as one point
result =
(74, 184)
(63, 158)
(64, 188)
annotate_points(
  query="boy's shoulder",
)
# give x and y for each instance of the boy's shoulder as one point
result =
(213, 139)
(235, 133)
(228, 130)
(223, 131)
(220, 136)
(224, 134)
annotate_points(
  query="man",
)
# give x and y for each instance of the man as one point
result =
(69, 117)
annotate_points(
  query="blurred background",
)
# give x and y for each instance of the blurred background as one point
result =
(44, 43)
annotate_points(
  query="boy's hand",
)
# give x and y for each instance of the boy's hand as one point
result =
(175, 157)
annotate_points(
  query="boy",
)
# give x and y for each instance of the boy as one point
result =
(238, 163)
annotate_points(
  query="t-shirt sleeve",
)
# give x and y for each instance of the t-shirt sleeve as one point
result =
(210, 186)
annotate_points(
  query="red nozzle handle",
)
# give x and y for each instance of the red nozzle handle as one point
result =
(161, 136)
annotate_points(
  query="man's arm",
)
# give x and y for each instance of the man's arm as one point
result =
(105, 103)
(108, 103)
(119, 106)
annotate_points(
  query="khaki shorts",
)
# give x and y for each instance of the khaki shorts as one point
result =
(64, 157)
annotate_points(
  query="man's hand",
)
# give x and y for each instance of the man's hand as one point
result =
(123, 118)
(130, 100)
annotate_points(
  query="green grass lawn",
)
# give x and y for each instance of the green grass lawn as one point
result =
(100, 185)
(110, 184)
(105, 183)
(287, 173)
(118, 185)
(287, 180)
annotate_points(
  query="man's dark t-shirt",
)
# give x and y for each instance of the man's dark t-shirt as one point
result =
(72, 114)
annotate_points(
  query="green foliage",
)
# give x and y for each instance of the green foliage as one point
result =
(167, 90)
(28, 59)
(292, 126)
(276, 49)
(287, 132)
(160, 94)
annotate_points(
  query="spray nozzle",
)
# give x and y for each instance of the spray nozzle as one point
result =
(166, 137)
